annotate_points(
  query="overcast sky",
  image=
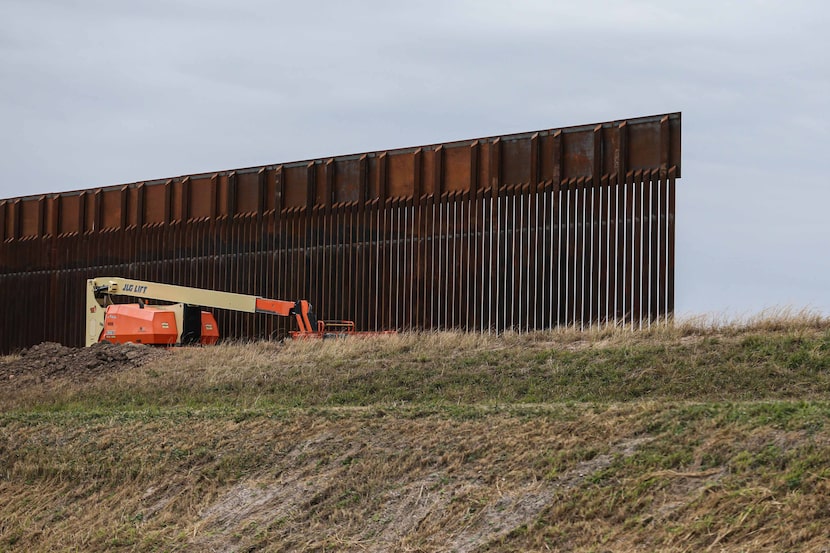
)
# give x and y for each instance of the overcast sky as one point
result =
(100, 92)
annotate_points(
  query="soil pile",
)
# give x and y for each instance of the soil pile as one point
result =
(48, 361)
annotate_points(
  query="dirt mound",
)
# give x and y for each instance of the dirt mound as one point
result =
(49, 361)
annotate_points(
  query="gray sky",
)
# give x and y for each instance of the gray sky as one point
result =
(97, 93)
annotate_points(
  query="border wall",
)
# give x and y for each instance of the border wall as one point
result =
(569, 226)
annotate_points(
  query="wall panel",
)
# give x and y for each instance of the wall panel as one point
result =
(571, 226)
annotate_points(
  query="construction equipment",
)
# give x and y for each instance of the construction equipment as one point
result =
(184, 322)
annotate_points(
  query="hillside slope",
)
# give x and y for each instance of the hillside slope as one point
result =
(690, 438)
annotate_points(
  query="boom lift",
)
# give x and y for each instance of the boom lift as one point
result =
(184, 322)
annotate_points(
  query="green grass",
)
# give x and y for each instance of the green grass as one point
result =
(606, 367)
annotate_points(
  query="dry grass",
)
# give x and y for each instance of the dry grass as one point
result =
(704, 435)
(782, 357)
(9, 358)
(640, 476)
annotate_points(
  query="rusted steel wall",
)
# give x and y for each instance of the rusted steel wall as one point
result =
(571, 226)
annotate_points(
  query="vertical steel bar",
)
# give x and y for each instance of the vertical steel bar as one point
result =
(361, 273)
(613, 241)
(504, 260)
(543, 251)
(521, 285)
(671, 237)
(492, 232)
(409, 266)
(645, 228)
(598, 260)
(655, 257)
(587, 253)
(440, 282)
(394, 261)
(421, 276)
(512, 259)
(604, 244)
(578, 252)
(373, 265)
(629, 249)
(561, 240)
(636, 260)
(555, 249)
(662, 237)
(465, 261)
(455, 258)
(429, 264)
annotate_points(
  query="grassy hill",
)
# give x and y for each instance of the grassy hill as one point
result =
(694, 437)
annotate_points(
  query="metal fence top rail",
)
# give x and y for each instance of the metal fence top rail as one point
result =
(673, 120)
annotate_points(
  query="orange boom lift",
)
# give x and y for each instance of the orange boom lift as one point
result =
(184, 322)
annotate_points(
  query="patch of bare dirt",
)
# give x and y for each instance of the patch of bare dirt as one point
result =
(51, 361)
